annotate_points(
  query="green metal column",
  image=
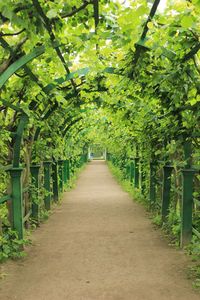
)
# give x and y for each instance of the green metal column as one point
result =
(131, 171)
(35, 169)
(136, 173)
(47, 184)
(71, 166)
(167, 171)
(17, 201)
(55, 181)
(83, 159)
(68, 169)
(61, 177)
(127, 171)
(187, 205)
(65, 166)
(152, 188)
(142, 176)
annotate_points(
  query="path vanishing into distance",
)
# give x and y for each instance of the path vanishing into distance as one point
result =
(98, 244)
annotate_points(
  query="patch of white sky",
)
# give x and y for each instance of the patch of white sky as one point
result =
(161, 7)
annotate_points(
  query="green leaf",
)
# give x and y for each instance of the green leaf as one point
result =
(7, 12)
(150, 25)
(141, 10)
(187, 21)
(52, 13)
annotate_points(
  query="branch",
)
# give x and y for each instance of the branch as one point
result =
(14, 54)
(12, 34)
(192, 52)
(76, 10)
(96, 13)
(150, 17)
(20, 76)
(48, 26)
(2, 108)
(5, 64)
(144, 32)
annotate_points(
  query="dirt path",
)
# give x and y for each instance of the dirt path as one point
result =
(98, 245)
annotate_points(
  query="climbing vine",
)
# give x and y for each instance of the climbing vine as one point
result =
(123, 74)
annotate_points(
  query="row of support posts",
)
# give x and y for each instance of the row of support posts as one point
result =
(187, 194)
(187, 201)
(56, 176)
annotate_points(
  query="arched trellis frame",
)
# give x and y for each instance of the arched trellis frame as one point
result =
(22, 62)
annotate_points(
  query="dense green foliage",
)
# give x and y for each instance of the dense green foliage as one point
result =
(145, 105)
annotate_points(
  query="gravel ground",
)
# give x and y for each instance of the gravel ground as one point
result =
(98, 244)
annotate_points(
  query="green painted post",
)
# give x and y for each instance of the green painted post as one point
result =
(55, 181)
(61, 180)
(17, 202)
(68, 169)
(47, 184)
(131, 171)
(136, 173)
(65, 166)
(152, 188)
(167, 172)
(142, 177)
(187, 147)
(84, 158)
(35, 169)
(71, 166)
(127, 171)
(187, 206)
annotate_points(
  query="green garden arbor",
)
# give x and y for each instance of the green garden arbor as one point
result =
(46, 104)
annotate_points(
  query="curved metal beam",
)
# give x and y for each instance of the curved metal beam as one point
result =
(71, 125)
(22, 61)
(12, 106)
(48, 114)
(67, 77)
(79, 72)
(73, 122)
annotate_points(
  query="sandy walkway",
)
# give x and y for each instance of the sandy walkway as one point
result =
(98, 245)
